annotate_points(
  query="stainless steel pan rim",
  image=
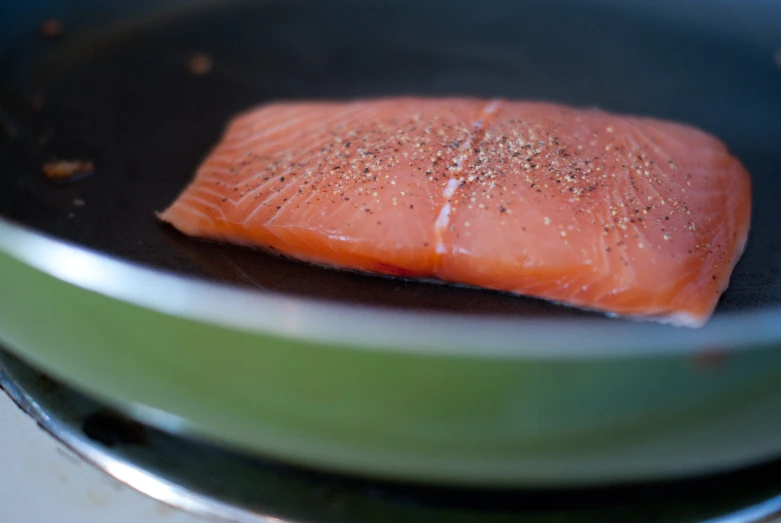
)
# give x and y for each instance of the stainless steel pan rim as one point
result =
(375, 328)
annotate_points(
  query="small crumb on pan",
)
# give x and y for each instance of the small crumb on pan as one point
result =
(200, 64)
(44, 138)
(67, 169)
(38, 101)
(777, 56)
(78, 202)
(52, 28)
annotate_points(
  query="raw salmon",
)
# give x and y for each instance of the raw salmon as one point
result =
(630, 216)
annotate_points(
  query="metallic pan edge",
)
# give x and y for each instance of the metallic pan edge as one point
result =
(372, 327)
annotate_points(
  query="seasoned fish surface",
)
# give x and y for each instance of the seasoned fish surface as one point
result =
(626, 215)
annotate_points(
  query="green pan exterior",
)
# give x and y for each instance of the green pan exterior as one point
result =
(465, 419)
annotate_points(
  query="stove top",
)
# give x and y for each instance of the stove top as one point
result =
(207, 480)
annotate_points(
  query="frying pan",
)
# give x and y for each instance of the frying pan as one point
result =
(360, 374)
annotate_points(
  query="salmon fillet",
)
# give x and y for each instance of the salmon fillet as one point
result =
(630, 216)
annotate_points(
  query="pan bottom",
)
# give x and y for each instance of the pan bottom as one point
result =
(116, 444)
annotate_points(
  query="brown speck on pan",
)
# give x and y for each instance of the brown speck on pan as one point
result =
(44, 138)
(52, 28)
(777, 57)
(200, 64)
(67, 169)
(38, 101)
(78, 202)
(709, 358)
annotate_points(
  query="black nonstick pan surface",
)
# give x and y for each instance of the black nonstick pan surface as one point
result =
(117, 88)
